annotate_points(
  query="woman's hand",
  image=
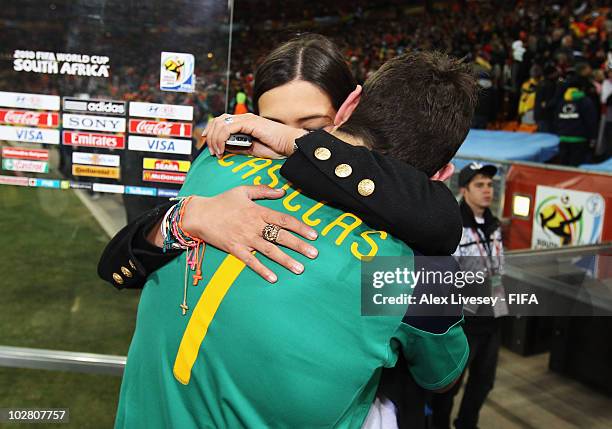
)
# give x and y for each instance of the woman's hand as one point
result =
(271, 139)
(232, 222)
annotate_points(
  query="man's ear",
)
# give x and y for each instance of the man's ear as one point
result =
(346, 110)
(444, 173)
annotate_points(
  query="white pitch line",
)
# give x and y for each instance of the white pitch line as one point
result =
(110, 224)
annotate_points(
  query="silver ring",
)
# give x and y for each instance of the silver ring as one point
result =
(270, 232)
(228, 120)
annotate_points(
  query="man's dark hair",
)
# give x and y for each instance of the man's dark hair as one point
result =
(416, 108)
(312, 58)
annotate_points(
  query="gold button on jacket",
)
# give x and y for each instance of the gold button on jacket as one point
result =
(322, 153)
(118, 279)
(343, 170)
(366, 187)
(126, 272)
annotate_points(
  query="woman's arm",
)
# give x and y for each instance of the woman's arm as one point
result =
(129, 257)
(421, 212)
(135, 252)
(404, 201)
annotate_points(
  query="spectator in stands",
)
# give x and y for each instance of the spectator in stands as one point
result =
(517, 71)
(607, 25)
(567, 48)
(584, 82)
(605, 148)
(528, 96)
(546, 99)
(598, 77)
(576, 125)
(487, 104)
(241, 103)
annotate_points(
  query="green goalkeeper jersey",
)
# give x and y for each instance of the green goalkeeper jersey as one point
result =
(295, 354)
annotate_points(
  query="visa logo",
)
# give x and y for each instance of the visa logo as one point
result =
(161, 145)
(29, 135)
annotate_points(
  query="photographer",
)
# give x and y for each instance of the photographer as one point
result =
(480, 249)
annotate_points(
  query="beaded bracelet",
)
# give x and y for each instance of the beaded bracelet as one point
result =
(171, 228)
(175, 237)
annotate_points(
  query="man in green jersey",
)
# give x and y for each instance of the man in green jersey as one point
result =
(300, 354)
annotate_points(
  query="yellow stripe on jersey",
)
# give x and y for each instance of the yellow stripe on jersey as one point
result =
(203, 314)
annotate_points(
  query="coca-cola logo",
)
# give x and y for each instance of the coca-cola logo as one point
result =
(160, 128)
(25, 117)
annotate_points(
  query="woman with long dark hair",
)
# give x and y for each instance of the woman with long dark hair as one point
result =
(302, 84)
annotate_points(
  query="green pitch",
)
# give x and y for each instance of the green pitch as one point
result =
(53, 299)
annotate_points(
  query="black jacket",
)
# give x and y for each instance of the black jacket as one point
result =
(421, 212)
(546, 100)
(576, 116)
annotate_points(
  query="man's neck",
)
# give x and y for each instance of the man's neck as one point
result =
(347, 138)
(478, 211)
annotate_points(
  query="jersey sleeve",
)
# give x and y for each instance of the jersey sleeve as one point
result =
(434, 360)
(431, 336)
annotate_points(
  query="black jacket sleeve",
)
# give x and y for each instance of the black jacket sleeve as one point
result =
(589, 113)
(405, 202)
(129, 258)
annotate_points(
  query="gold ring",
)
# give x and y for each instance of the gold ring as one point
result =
(270, 232)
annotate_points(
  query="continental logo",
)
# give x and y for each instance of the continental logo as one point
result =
(262, 172)
(93, 171)
(166, 164)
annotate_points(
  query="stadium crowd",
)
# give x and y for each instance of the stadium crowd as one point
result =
(527, 54)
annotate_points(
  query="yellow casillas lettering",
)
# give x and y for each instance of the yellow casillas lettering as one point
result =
(272, 174)
(256, 165)
(347, 227)
(222, 162)
(373, 246)
(288, 198)
(306, 216)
